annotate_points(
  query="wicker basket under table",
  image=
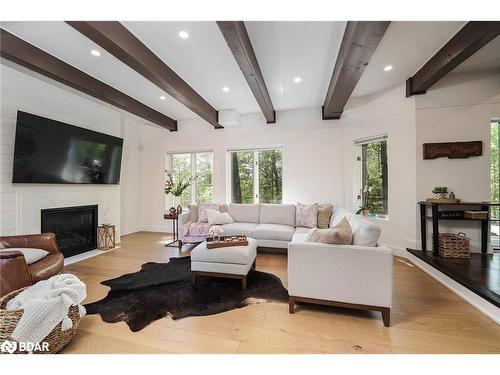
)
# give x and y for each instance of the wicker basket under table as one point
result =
(453, 245)
(56, 339)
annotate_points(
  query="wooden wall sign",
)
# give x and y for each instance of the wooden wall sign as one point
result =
(452, 150)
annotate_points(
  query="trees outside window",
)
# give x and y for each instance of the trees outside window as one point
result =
(256, 176)
(190, 164)
(372, 185)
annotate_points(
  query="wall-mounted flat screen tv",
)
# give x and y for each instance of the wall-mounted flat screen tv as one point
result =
(51, 152)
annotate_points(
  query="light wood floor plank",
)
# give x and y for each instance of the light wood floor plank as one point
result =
(427, 317)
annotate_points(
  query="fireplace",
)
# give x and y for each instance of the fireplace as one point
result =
(75, 228)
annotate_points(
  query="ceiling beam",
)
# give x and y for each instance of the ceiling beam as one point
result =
(469, 39)
(358, 45)
(23, 53)
(121, 43)
(239, 43)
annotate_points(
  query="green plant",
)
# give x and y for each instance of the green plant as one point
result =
(440, 190)
(176, 187)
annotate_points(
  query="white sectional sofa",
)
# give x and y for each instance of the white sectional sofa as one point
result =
(358, 275)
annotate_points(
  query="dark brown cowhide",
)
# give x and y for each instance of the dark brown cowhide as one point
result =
(164, 289)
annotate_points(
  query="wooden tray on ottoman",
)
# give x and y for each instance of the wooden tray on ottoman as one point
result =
(227, 241)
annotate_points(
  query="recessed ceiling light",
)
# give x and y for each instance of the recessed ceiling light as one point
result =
(95, 53)
(387, 68)
(225, 89)
(297, 80)
(183, 34)
(163, 97)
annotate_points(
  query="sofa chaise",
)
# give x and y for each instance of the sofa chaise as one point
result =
(358, 275)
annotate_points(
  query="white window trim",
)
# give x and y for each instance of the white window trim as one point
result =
(169, 162)
(358, 170)
(256, 186)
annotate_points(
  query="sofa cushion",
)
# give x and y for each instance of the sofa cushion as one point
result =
(244, 213)
(306, 215)
(31, 255)
(235, 229)
(365, 232)
(232, 255)
(277, 214)
(218, 218)
(278, 232)
(301, 234)
(202, 211)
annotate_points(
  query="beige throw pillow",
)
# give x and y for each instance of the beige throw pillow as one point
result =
(218, 218)
(324, 214)
(341, 234)
(306, 215)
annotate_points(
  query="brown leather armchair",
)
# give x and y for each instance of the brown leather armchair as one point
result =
(15, 273)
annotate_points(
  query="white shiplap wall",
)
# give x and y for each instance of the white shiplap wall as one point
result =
(20, 204)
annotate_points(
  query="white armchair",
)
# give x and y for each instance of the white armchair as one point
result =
(340, 275)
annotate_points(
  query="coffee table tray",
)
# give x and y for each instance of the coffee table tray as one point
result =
(227, 241)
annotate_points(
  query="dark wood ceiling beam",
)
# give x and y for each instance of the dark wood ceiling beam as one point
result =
(469, 39)
(239, 43)
(125, 46)
(358, 45)
(23, 53)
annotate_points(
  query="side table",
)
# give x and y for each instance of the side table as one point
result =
(175, 229)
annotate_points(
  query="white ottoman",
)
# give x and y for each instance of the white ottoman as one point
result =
(229, 262)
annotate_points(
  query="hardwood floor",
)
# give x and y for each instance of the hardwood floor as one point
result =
(426, 317)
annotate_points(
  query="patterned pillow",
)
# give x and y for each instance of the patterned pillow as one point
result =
(202, 213)
(306, 215)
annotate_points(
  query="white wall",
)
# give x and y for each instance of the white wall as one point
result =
(392, 114)
(312, 157)
(458, 108)
(20, 204)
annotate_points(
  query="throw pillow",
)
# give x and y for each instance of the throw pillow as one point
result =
(324, 213)
(306, 215)
(218, 218)
(31, 255)
(341, 234)
(193, 212)
(202, 211)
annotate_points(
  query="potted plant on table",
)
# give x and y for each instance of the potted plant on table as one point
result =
(176, 187)
(366, 206)
(440, 192)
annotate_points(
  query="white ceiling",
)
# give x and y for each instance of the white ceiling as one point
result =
(284, 50)
(487, 58)
(64, 42)
(407, 46)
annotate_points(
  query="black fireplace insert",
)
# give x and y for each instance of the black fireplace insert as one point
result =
(75, 228)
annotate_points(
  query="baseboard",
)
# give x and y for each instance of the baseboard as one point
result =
(478, 302)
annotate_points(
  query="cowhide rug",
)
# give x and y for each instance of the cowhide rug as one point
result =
(164, 289)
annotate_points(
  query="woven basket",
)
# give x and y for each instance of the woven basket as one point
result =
(56, 339)
(453, 245)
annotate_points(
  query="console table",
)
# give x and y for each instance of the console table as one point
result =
(434, 217)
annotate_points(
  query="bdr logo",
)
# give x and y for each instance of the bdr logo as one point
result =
(11, 346)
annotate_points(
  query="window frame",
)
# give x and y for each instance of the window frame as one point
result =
(359, 175)
(255, 171)
(169, 163)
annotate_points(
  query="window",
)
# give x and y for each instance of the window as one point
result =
(256, 176)
(495, 183)
(186, 165)
(371, 177)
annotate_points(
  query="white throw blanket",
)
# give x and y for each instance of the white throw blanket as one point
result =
(45, 305)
